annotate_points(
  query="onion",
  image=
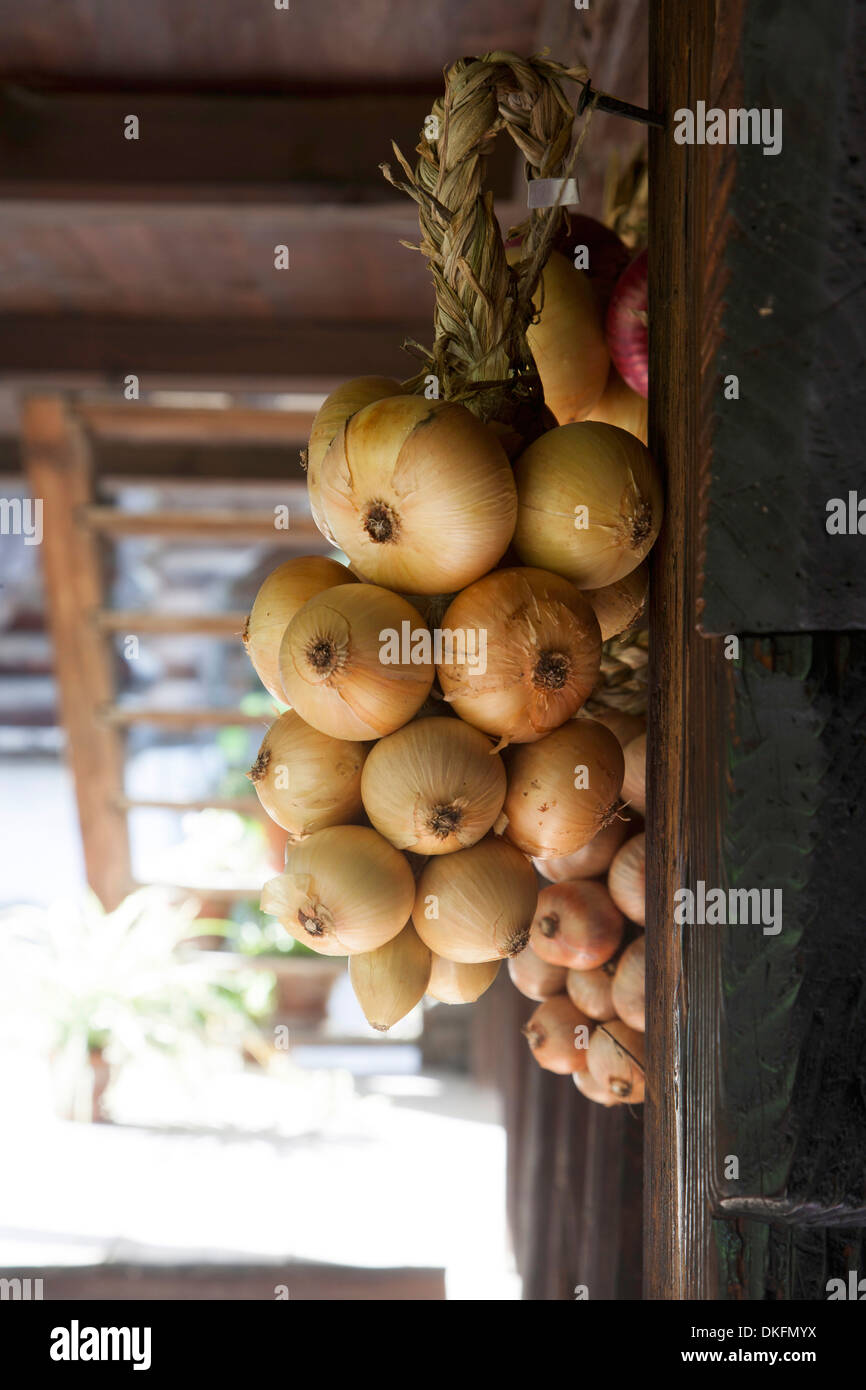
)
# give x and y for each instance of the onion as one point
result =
(626, 326)
(589, 503)
(589, 1087)
(419, 494)
(534, 977)
(629, 985)
(433, 787)
(306, 780)
(551, 1034)
(634, 777)
(616, 1058)
(476, 905)
(332, 414)
(334, 663)
(548, 815)
(455, 983)
(591, 991)
(285, 590)
(618, 606)
(625, 726)
(343, 890)
(391, 980)
(626, 880)
(567, 342)
(589, 862)
(576, 924)
(620, 405)
(541, 652)
(608, 256)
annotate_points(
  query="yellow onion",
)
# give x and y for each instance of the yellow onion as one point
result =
(348, 398)
(634, 777)
(452, 982)
(576, 924)
(590, 1088)
(534, 977)
(306, 780)
(433, 786)
(524, 653)
(618, 606)
(391, 980)
(567, 342)
(336, 666)
(589, 862)
(626, 879)
(591, 991)
(285, 590)
(616, 1060)
(628, 991)
(419, 494)
(620, 405)
(476, 905)
(563, 790)
(343, 890)
(625, 726)
(552, 1034)
(589, 503)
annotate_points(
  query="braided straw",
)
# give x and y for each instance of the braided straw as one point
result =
(484, 306)
(480, 355)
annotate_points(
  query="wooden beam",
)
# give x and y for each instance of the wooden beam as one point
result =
(134, 423)
(205, 525)
(116, 620)
(244, 805)
(59, 473)
(231, 349)
(290, 148)
(123, 717)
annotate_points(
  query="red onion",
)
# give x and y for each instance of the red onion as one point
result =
(626, 326)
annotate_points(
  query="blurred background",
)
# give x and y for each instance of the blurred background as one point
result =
(195, 1105)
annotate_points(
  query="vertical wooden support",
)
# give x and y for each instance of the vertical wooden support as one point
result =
(60, 473)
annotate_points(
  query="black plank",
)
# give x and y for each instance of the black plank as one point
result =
(794, 333)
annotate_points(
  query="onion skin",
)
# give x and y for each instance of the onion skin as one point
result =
(543, 651)
(634, 776)
(568, 342)
(331, 663)
(625, 726)
(283, 593)
(626, 326)
(629, 985)
(620, 405)
(344, 890)
(455, 983)
(589, 503)
(591, 992)
(590, 1088)
(610, 1064)
(348, 398)
(591, 861)
(548, 816)
(608, 256)
(577, 925)
(323, 776)
(626, 879)
(536, 978)
(434, 786)
(550, 1032)
(391, 980)
(619, 606)
(419, 494)
(485, 897)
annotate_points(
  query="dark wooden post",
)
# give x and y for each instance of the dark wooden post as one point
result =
(756, 1119)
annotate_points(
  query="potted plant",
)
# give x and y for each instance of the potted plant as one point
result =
(303, 979)
(98, 989)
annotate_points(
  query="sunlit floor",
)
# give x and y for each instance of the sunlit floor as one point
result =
(383, 1171)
